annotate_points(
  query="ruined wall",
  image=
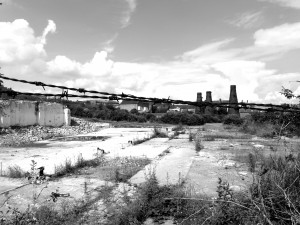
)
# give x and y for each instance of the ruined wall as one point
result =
(26, 113)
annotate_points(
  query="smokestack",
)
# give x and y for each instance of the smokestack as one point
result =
(233, 99)
(208, 96)
(199, 99)
(208, 109)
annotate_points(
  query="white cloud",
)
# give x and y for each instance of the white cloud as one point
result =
(99, 66)
(62, 64)
(18, 43)
(51, 28)
(286, 3)
(246, 20)
(286, 37)
(125, 20)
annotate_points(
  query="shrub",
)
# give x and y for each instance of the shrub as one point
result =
(211, 119)
(183, 118)
(233, 119)
(15, 172)
(191, 136)
(277, 188)
(198, 145)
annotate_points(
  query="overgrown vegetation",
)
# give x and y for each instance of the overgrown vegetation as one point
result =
(70, 168)
(15, 172)
(198, 145)
(182, 118)
(267, 124)
(233, 119)
(117, 169)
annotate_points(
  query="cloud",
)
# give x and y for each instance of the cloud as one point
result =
(125, 20)
(246, 20)
(108, 45)
(18, 43)
(286, 3)
(286, 37)
(51, 28)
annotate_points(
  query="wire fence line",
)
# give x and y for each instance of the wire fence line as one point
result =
(117, 97)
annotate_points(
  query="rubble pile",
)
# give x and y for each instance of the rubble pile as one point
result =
(19, 136)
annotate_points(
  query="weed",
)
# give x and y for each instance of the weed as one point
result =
(191, 136)
(69, 168)
(233, 120)
(158, 133)
(227, 136)
(178, 128)
(198, 145)
(15, 172)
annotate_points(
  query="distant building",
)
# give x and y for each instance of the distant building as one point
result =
(182, 108)
(109, 102)
(138, 105)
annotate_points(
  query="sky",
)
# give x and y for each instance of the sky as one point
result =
(154, 48)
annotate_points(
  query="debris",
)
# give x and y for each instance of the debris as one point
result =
(56, 195)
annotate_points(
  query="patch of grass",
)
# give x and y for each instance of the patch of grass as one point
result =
(68, 168)
(167, 151)
(139, 141)
(15, 172)
(266, 130)
(227, 136)
(233, 120)
(150, 202)
(120, 169)
(191, 136)
(178, 128)
(198, 145)
(158, 133)
(67, 213)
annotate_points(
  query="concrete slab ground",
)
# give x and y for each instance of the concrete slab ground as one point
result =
(54, 152)
(171, 168)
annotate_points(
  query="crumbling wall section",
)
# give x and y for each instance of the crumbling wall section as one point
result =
(26, 113)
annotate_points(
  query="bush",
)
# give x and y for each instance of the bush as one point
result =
(233, 119)
(15, 172)
(198, 145)
(183, 118)
(211, 119)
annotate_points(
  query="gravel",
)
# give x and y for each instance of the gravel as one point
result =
(22, 136)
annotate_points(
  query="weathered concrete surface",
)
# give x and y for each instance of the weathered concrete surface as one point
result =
(77, 187)
(26, 113)
(53, 153)
(171, 168)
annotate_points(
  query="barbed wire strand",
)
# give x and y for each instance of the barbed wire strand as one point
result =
(112, 96)
(197, 104)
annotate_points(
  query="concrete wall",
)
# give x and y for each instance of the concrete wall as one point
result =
(26, 113)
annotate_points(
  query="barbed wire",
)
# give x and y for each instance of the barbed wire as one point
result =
(236, 106)
(117, 97)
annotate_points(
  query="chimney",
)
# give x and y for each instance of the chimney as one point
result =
(199, 97)
(233, 99)
(208, 109)
(208, 96)
(199, 110)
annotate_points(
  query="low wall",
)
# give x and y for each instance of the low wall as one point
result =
(26, 113)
